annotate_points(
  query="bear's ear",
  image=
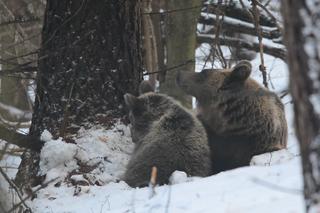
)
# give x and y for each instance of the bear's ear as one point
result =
(241, 71)
(145, 86)
(130, 100)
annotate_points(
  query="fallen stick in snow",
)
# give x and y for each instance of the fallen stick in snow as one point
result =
(153, 181)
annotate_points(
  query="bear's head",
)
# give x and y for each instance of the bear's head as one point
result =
(144, 109)
(209, 83)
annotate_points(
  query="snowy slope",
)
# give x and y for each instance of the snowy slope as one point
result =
(86, 174)
(251, 189)
(273, 183)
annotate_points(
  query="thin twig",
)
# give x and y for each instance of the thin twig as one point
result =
(245, 27)
(270, 14)
(284, 94)
(216, 41)
(276, 187)
(21, 140)
(10, 167)
(217, 36)
(173, 11)
(23, 40)
(170, 68)
(13, 185)
(22, 33)
(22, 56)
(20, 21)
(267, 3)
(32, 194)
(262, 67)
(277, 52)
(3, 151)
(106, 201)
(169, 199)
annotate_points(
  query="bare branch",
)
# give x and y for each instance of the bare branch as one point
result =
(270, 14)
(44, 185)
(234, 11)
(15, 124)
(237, 42)
(170, 68)
(20, 21)
(11, 183)
(173, 11)
(256, 18)
(21, 140)
(15, 113)
(234, 25)
(215, 45)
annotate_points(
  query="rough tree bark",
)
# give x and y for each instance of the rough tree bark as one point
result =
(302, 36)
(90, 57)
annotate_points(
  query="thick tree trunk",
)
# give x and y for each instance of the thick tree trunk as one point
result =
(90, 57)
(181, 23)
(302, 21)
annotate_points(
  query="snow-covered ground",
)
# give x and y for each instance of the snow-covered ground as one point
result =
(273, 183)
(87, 174)
(252, 189)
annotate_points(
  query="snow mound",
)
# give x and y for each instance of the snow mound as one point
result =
(57, 158)
(272, 158)
(178, 177)
(98, 156)
(46, 136)
(90, 169)
(276, 188)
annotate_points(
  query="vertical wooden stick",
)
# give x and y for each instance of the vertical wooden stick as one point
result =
(153, 180)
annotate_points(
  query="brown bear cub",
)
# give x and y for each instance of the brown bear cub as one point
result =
(167, 136)
(241, 117)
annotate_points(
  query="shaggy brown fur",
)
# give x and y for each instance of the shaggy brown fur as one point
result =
(241, 117)
(166, 135)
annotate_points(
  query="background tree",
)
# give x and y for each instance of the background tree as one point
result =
(302, 36)
(235, 30)
(232, 25)
(181, 18)
(169, 47)
(20, 25)
(90, 57)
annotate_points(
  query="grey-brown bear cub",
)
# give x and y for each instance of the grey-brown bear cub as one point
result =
(241, 117)
(167, 136)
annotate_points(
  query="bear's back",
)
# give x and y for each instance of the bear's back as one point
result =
(251, 121)
(175, 141)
